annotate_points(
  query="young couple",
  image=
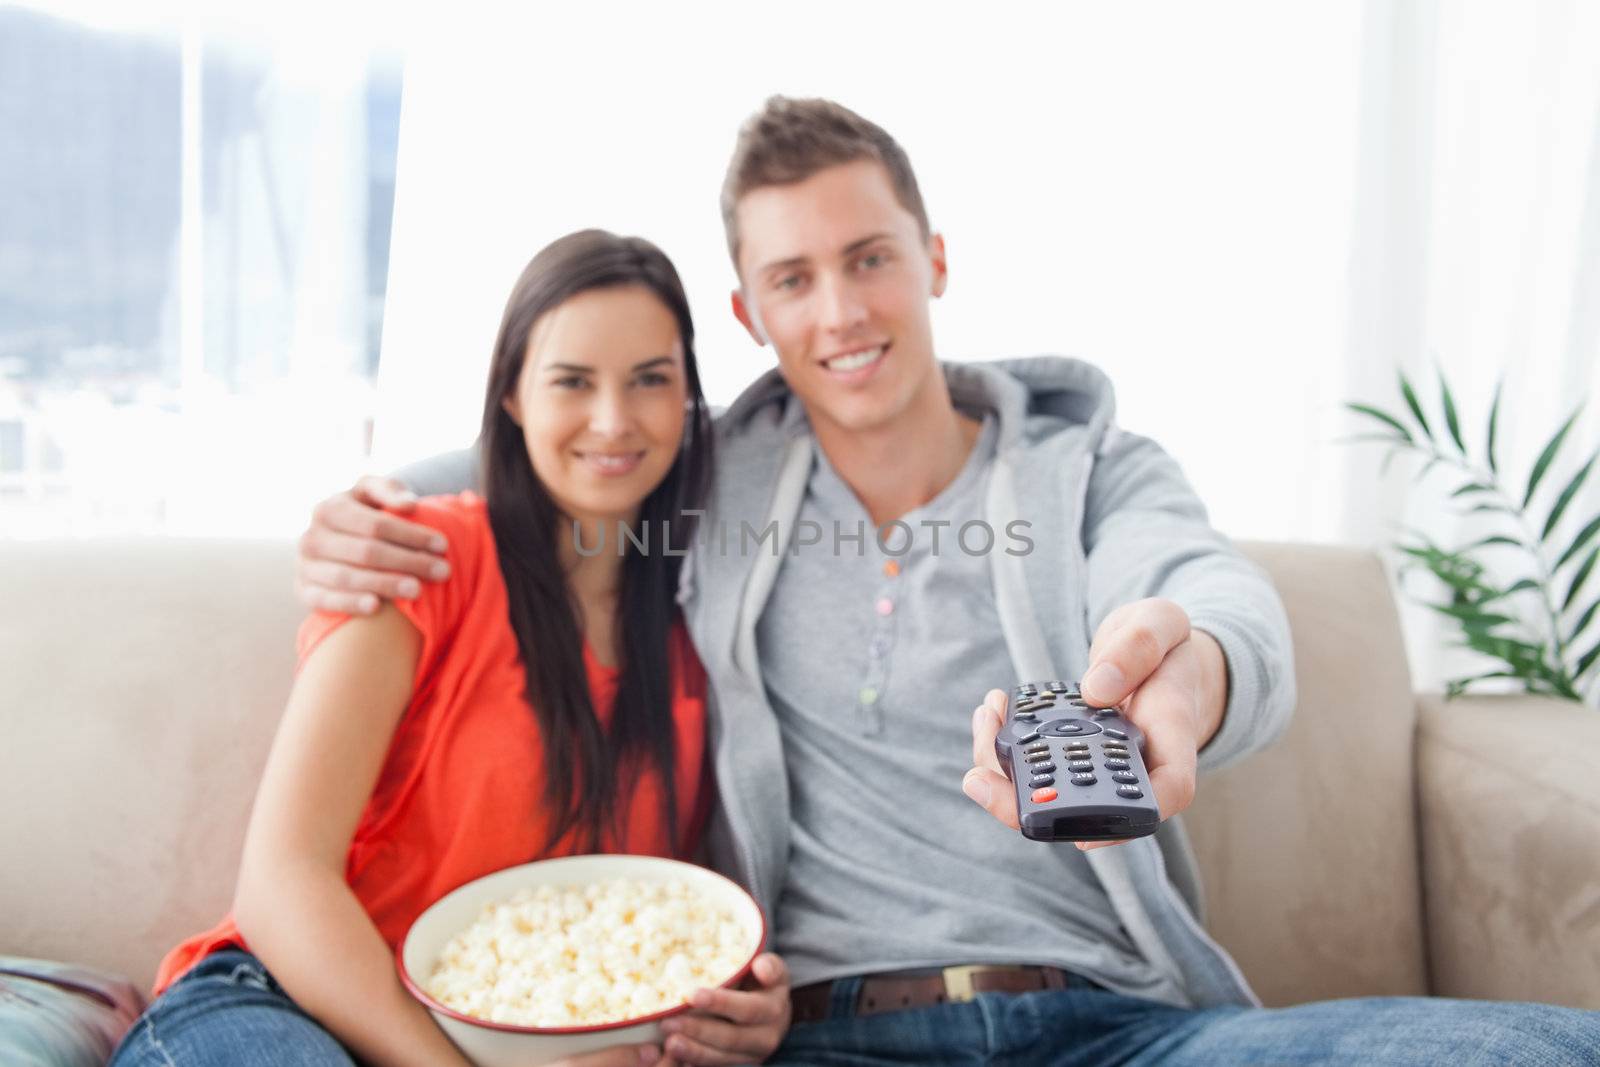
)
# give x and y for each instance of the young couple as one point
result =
(478, 689)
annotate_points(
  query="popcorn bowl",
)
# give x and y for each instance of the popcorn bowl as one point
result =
(493, 1044)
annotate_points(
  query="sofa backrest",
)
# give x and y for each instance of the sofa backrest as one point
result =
(140, 684)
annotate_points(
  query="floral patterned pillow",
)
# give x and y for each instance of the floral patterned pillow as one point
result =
(59, 1015)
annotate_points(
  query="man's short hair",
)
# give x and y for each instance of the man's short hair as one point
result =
(789, 140)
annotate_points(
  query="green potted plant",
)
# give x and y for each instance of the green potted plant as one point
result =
(1530, 619)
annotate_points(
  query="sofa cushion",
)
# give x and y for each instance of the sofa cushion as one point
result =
(1510, 801)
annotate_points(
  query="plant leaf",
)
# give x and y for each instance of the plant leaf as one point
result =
(1471, 616)
(1359, 438)
(1587, 661)
(1385, 417)
(1566, 497)
(1416, 408)
(1457, 686)
(1473, 487)
(1582, 623)
(1584, 537)
(1501, 508)
(1579, 578)
(1494, 420)
(1543, 462)
(1517, 653)
(1451, 422)
(1497, 539)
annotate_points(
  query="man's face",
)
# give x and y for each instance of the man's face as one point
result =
(837, 276)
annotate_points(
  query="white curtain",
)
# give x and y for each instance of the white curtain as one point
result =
(1475, 250)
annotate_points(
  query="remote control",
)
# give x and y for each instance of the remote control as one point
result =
(1078, 771)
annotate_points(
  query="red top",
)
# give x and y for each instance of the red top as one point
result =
(460, 793)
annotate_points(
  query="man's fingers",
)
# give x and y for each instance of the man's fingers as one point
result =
(343, 578)
(318, 598)
(1163, 709)
(993, 792)
(348, 514)
(384, 493)
(984, 728)
(1135, 643)
(373, 555)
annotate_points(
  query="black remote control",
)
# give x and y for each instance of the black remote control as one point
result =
(1078, 771)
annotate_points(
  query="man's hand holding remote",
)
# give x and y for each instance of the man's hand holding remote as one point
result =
(1170, 680)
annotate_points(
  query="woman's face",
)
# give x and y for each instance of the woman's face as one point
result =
(601, 400)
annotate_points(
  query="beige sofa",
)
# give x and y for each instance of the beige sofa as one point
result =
(1386, 845)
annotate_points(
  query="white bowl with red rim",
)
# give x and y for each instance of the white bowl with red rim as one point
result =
(490, 1044)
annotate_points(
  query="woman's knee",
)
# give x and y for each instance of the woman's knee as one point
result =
(234, 1016)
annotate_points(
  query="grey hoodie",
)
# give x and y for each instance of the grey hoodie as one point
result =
(1112, 521)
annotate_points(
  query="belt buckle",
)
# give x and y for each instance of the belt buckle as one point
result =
(958, 982)
(958, 986)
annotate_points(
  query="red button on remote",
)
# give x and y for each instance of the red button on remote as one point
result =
(1043, 796)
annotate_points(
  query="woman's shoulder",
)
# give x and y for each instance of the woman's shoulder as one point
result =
(465, 511)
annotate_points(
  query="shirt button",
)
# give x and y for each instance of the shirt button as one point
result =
(892, 568)
(869, 695)
(885, 606)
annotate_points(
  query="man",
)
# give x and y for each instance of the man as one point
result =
(846, 601)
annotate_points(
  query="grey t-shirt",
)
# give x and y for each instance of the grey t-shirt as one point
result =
(873, 662)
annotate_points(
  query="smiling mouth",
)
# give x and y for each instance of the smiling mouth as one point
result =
(612, 462)
(857, 360)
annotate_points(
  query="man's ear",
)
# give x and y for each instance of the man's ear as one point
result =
(941, 271)
(748, 318)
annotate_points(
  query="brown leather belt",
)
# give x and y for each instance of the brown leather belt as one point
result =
(913, 989)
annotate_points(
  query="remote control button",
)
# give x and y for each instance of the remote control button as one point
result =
(1040, 780)
(1084, 778)
(1132, 792)
(1080, 765)
(1043, 796)
(1120, 751)
(1116, 764)
(1037, 746)
(1077, 746)
(1045, 767)
(1036, 757)
(1118, 734)
(1028, 738)
(1071, 728)
(1058, 687)
(1125, 776)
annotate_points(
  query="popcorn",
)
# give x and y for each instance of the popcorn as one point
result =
(611, 950)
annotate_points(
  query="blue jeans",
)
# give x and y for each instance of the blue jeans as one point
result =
(228, 1011)
(1086, 1025)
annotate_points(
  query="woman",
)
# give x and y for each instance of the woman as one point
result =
(473, 728)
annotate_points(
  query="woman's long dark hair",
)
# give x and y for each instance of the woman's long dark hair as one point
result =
(581, 759)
